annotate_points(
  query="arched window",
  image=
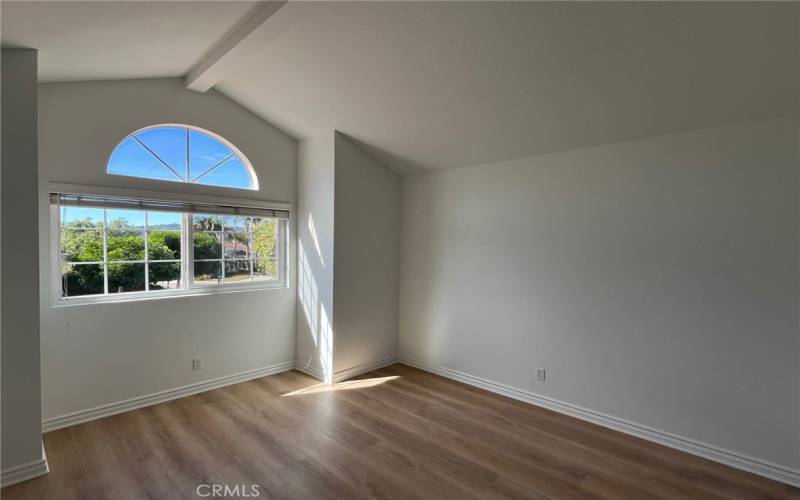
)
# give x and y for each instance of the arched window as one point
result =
(182, 153)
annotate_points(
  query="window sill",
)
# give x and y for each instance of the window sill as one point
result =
(166, 294)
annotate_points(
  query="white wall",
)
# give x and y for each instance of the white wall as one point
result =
(21, 401)
(797, 156)
(655, 280)
(348, 230)
(104, 353)
(366, 259)
(315, 219)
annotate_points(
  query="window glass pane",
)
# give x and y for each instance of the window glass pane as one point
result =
(132, 159)
(208, 273)
(237, 271)
(164, 235)
(165, 275)
(125, 244)
(265, 270)
(85, 245)
(75, 217)
(125, 278)
(204, 152)
(203, 222)
(164, 220)
(235, 223)
(236, 245)
(125, 219)
(169, 143)
(230, 173)
(207, 246)
(81, 279)
(265, 236)
(164, 244)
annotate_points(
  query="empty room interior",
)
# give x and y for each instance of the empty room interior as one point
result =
(400, 250)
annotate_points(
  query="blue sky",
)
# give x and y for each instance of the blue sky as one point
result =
(209, 162)
(134, 217)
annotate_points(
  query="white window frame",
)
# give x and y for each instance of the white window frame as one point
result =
(234, 152)
(187, 252)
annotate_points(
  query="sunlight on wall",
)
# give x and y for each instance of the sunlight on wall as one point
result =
(325, 347)
(313, 231)
(307, 289)
(315, 314)
(343, 386)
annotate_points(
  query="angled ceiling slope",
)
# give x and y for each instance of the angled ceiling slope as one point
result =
(444, 84)
(105, 40)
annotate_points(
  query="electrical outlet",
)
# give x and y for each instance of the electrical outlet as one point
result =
(540, 374)
(197, 363)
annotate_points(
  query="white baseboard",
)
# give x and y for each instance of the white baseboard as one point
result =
(310, 370)
(733, 459)
(68, 419)
(363, 368)
(349, 372)
(23, 472)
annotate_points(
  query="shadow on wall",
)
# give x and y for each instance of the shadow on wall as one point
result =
(316, 316)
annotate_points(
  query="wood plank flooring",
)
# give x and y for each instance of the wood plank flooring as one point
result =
(395, 433)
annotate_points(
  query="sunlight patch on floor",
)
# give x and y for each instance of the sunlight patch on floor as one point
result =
(342, 386)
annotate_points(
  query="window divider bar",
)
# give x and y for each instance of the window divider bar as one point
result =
(188, 138)
(146, 254)
(105, 252)
(188, 254)
(213, 167)
(158, 158)
(222, 246)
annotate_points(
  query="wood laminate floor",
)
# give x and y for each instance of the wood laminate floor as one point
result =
(393, 433)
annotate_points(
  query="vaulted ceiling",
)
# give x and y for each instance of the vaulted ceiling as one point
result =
(99, 40)
(442, 84)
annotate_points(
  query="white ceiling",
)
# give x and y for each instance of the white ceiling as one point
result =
(443, 84)
(117, 40)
